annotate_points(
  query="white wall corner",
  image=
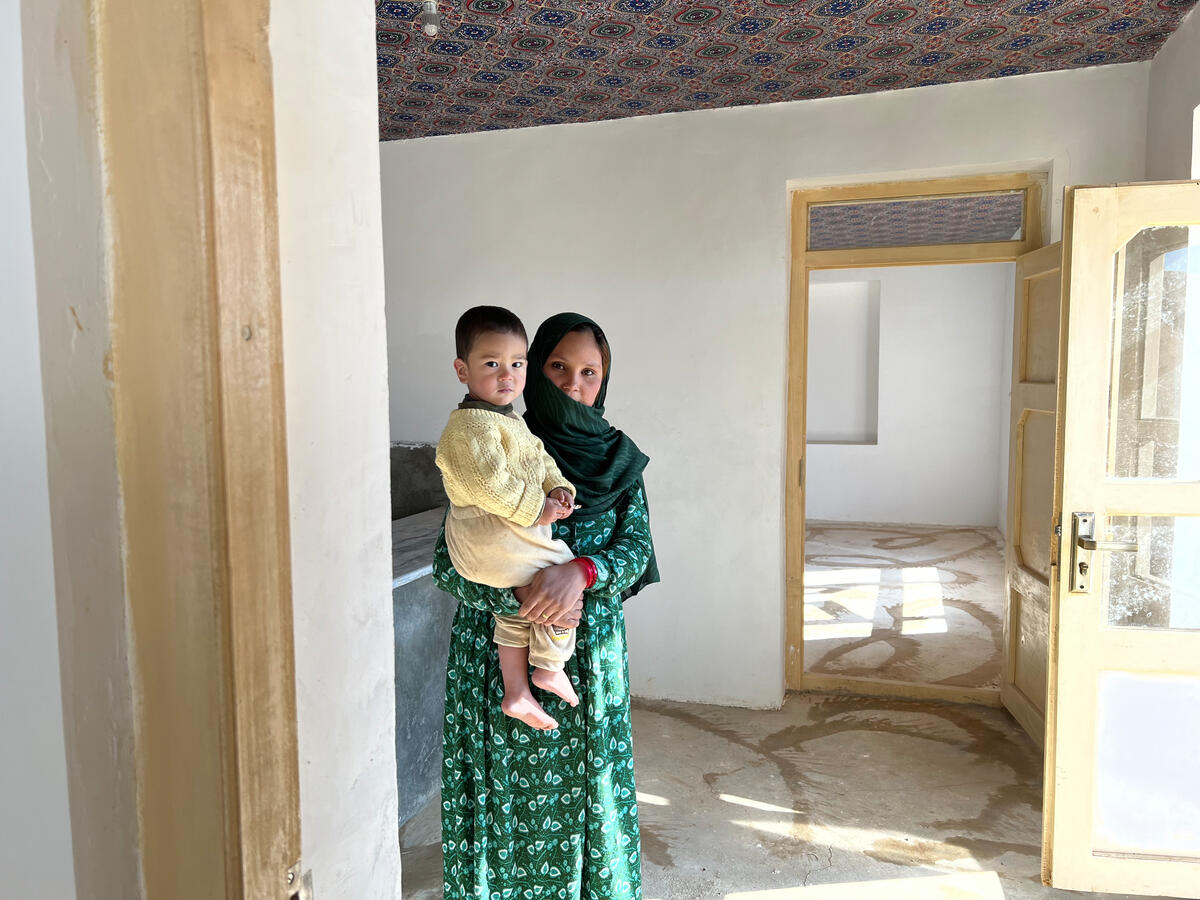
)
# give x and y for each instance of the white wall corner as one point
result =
(71, 259)
(36, 853)
(1173, 102)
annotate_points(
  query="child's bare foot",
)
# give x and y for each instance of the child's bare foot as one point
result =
(528, 710)
(556, 683)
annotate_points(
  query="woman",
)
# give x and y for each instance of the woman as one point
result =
(552, 814)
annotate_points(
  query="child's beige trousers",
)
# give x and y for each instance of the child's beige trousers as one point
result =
(490, 550)
(549, 646)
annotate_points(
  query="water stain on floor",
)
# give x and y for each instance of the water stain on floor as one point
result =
(835, 789)
(656, 849)
(827, 790)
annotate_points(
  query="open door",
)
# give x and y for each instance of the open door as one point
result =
(1034, 405)
(1123, 711)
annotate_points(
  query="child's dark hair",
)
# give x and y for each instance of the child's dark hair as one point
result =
(601, 341)
(480, 320)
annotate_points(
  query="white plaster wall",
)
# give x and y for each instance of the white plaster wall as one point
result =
(1174, 93)
(35, 820)
(843, 361)
(70, 243)
(937, 457)
(672, 231)
(335, 371)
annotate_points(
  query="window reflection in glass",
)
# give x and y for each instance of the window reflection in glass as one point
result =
(1159, 585)
(1154, 417)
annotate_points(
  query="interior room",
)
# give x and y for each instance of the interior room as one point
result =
(673, 232)
(231, 358)
(906, 470)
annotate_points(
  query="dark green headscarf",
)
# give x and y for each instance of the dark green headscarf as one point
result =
(602, 462)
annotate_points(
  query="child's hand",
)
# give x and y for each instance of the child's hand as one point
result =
(563, 496)
(552, 511)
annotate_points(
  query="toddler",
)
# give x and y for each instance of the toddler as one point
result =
(505, 491)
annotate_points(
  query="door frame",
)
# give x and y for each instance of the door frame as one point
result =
(803, 263)
(198, 392)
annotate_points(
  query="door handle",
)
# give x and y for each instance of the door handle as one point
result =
(1111, 546)
(1083, 545)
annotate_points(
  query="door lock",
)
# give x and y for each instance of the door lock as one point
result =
(1083, 545)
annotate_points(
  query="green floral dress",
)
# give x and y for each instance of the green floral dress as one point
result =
(536, 814)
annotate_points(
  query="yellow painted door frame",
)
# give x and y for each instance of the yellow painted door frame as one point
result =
(198, 397)
(804, 261)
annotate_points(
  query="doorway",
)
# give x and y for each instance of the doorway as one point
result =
(900, 339)
(908, 375)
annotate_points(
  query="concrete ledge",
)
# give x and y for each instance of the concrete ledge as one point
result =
(413, 540)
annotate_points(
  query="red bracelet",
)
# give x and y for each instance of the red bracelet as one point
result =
(589, 570)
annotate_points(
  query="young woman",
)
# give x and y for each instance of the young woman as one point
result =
(553, 814)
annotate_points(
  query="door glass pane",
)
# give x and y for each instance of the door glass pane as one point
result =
(1154, 392)
(1147, 800)
(1159, 585)
(916, 221)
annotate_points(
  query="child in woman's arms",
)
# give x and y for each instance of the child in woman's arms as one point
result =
(505, 491)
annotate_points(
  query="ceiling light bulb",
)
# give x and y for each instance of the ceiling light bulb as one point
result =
(430, 20)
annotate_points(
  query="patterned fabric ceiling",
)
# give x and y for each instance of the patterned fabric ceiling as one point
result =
(514, 63)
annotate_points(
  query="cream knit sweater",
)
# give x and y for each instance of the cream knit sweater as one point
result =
(494, 462)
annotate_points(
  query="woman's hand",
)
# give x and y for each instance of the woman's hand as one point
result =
(554, 597)
(570, 619)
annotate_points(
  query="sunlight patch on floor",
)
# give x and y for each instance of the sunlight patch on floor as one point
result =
(922, 609)
(853, 839)
(923, 626)
(756, 804)
(855, 591)
(959, 886)
(904, 603)
(832, 630)
(842, 577)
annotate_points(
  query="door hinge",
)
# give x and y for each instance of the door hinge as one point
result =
(298, 886)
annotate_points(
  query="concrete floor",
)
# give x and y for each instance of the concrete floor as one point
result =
(908, 603)
(830, 796)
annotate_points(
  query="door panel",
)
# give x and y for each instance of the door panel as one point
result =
(1033, 619)
(1035, 508)
(1123, 717)
(1041, 301)
(1036, 313)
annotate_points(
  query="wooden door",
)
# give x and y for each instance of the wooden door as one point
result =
(1123, 716)
(1034, 403)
